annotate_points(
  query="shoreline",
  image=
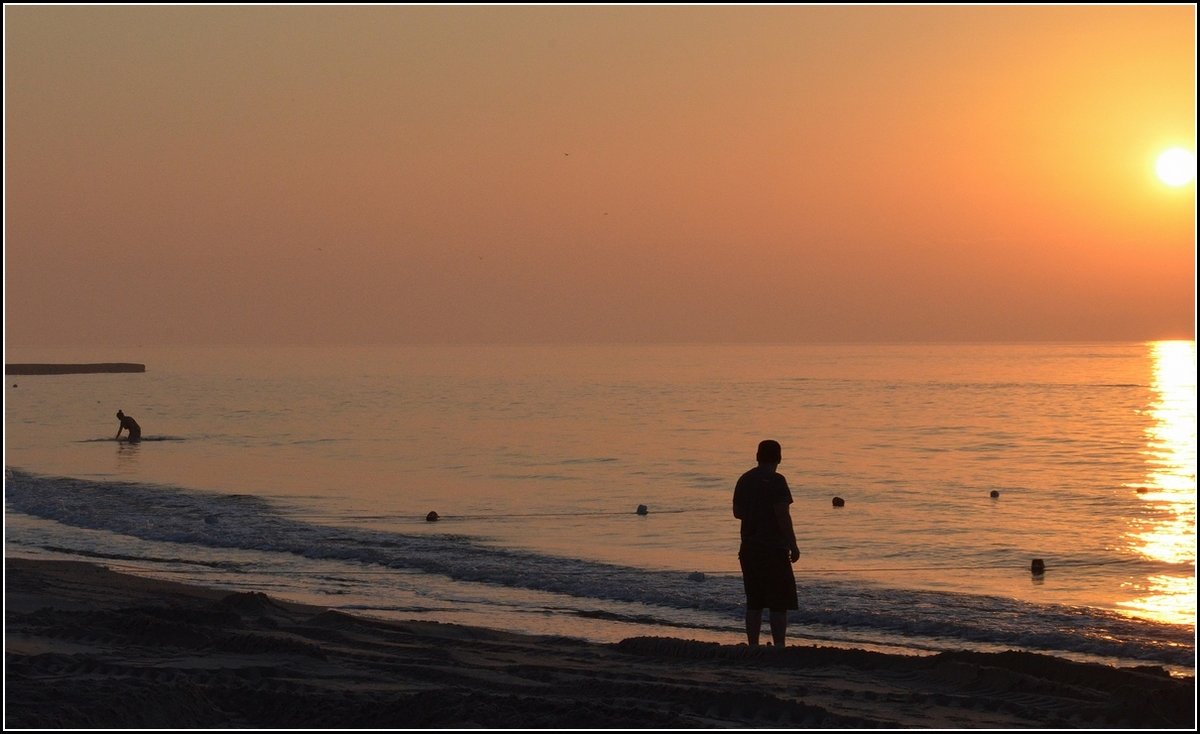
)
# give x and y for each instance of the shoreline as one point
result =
(88, 647)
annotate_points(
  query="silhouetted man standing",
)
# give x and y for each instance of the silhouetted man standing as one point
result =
(768, 549)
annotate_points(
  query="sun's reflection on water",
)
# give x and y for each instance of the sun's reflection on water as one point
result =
(1167, 533)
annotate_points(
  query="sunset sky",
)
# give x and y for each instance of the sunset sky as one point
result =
(378, 175)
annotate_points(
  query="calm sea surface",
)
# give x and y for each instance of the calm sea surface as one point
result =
(308, 473)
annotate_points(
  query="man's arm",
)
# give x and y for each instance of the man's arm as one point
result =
(784, 517)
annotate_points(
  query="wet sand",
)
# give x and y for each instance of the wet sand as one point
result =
(89, 648)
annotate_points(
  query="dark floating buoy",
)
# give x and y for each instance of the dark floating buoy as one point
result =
(995, 493)
(1038, 567)
(839, 502)
(211, 519)
(696, 576)
(432, 517)
(641, 510)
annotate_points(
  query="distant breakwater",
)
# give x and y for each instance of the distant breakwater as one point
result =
(72, 369)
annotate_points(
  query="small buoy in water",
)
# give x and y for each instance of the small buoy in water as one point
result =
(839, 502)
(432, 517)
(1140, 490)
(1038, 567)
(995, 493)
(210, 519)
(696, 576)
(641, 510)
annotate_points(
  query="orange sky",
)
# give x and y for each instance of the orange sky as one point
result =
(310, 175)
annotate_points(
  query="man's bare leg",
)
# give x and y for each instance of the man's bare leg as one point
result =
(778, 626)
(753, 626)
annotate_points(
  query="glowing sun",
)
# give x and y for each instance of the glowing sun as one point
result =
(1176, 166)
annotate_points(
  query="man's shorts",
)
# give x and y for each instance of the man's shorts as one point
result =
(767, 576)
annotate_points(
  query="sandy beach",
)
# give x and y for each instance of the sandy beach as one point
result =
(86, 647)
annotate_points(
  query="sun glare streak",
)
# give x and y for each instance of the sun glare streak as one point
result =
(1168, 599)
(1168, 532)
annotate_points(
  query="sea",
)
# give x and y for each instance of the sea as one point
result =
(585, 491)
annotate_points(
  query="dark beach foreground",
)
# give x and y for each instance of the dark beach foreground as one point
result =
(89, 648)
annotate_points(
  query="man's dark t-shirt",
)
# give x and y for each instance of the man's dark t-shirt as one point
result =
(757, 493)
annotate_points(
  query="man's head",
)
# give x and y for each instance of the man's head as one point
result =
(769, 452)
(120, 414)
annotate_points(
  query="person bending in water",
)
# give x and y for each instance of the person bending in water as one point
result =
(129, 424)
